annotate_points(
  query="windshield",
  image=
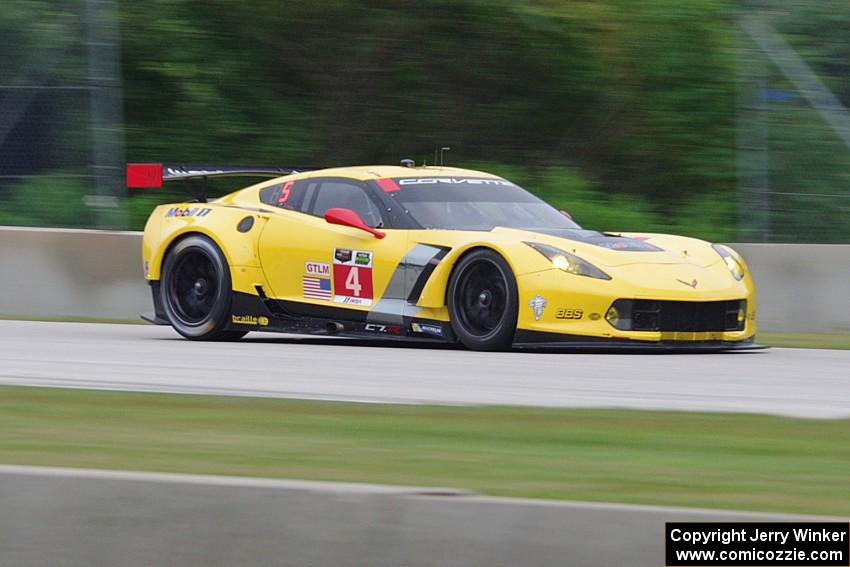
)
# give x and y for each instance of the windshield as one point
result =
(466, 203)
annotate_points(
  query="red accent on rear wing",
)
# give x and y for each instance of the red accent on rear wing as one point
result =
(144, 175)
(154, 174)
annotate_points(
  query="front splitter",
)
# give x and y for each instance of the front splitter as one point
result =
(530, 340)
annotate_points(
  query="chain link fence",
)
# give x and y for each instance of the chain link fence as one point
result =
(62, 126)
(60, 119)
(793, 123)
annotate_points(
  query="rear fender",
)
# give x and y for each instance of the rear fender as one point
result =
(234, 230)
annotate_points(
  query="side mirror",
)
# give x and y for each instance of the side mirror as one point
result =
(347, 217)
(566, 214)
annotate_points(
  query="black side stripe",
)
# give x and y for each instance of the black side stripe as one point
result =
(313, 311)
(426, 272)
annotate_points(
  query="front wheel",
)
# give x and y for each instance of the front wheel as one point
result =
(196, 290)
(482, 300)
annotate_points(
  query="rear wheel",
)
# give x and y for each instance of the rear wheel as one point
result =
(482, 300)
(196, 290)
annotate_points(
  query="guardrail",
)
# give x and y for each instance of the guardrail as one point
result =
(74, 517)
(800, 287)
(71, 273)
(85, 273)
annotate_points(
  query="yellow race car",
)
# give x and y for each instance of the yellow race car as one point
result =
(428, 253)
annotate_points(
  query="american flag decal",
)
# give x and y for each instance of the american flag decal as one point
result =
(317, 288)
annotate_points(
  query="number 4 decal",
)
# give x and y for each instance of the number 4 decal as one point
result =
(352, 277)
(352, 282)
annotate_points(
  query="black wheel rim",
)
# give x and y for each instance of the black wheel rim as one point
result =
(193, 287)
(481, 298)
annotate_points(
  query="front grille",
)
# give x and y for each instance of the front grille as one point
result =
(690, 316)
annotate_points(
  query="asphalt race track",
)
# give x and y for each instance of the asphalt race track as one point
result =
(796, 382)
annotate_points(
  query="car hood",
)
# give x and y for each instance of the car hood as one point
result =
(621, 249)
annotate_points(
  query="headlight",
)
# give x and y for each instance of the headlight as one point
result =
(569, 262)
(730, 260)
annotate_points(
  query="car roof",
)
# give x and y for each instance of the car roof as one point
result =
(365, 172)
(358, 172)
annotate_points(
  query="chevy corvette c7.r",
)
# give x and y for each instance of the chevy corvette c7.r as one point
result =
(428, 253)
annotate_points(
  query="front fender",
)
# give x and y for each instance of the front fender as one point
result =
(516, 254)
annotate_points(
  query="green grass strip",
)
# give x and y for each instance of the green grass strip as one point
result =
(686, 459)
(805, 340)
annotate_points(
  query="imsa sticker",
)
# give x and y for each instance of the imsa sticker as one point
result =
(352, 277)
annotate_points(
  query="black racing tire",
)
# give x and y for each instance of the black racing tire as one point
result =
(482, 301)
(196, 290)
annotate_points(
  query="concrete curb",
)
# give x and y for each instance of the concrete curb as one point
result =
(128, 518)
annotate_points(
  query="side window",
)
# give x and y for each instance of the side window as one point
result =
(346, 195)
(287, 195)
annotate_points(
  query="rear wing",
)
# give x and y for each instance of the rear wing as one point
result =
(147, 175)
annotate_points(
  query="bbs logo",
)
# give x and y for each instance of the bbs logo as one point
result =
(574, 314)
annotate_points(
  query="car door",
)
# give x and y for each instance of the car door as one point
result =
(318, 267)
